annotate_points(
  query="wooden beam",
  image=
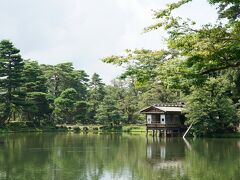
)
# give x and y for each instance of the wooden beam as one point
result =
(187, 130)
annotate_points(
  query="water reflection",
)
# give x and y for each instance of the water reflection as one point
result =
(116, 156)
(166, 152)
(214, 159)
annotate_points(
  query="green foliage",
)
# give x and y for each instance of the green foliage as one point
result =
(33, 77)
(17, 125)
(107, 112)
(65, 106)
(120, 104)
(140, 64)
(117, 106)
(97, 93)
(37, 107)
(36, 103)
(229, 9)
(126, 97)
(11, 66)
(82, 108)
(63, 76)
(4, 112)
(156, 93)
(200, 66)
(210, 110)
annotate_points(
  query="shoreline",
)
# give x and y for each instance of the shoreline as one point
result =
(140, 129)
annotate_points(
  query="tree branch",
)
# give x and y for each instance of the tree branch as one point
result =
(220, 68)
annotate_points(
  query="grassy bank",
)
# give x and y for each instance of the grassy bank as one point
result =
(32, 129)
(116, 128)
(18, 127)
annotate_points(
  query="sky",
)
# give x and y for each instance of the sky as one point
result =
(84, 31)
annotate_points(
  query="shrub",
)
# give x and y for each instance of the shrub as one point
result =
(85, 128)
(16, 125)
(76, 129)
(95, 129)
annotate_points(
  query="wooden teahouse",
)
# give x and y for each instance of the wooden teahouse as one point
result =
(166, 119)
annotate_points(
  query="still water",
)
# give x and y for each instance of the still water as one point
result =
(67, 156)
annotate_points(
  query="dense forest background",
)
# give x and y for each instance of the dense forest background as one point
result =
(57, 94)
(200, 67)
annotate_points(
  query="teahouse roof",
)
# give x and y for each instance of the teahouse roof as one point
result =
(158, 108)
(171, 109)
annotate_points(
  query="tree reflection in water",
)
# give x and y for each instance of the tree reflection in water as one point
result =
(115, 156)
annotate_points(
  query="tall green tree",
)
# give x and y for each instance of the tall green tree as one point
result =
(37, 109)
(37, 106)
(63, 76)
(82, 109)
(108, 111)
(97, 93)
(65, 106)
(126, 97)
(11, 66)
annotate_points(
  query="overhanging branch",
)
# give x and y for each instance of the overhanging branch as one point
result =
(220, 68)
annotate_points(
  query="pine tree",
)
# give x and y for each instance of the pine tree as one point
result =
(65, 106)
(37, 105)
(11, 66)
(97, 93)
(33, 77)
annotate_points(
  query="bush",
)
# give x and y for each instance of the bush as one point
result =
(76, 129)
(117, 127)
(111, 128)
(63, 128)
(105, 128)
(30, 124)
(95, 129)
(16, 125)
(85, 128)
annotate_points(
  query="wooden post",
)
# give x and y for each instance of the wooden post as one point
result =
(165, 133)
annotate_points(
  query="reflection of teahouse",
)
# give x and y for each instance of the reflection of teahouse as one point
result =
(165, 154)
(164, 118)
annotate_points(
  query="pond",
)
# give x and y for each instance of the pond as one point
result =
(67, 156)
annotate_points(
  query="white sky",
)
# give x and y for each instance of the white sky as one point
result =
(84, 31)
